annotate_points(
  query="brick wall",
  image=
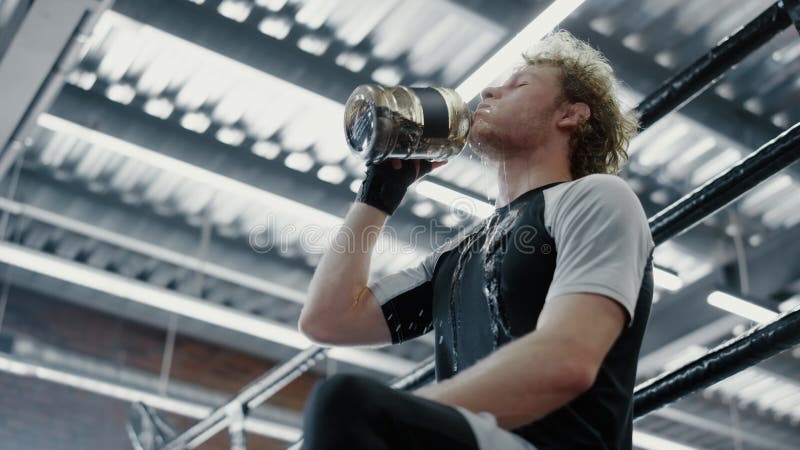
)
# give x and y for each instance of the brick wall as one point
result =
(37, 415)
(40, 415)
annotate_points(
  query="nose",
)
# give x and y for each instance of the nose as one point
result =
(489, 92)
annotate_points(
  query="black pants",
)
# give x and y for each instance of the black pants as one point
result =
(348, 412)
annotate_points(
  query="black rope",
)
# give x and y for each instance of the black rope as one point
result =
(694, 79)
(773, 156)
(727, 359)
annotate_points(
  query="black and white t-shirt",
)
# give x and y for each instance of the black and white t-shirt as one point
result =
(488, 287)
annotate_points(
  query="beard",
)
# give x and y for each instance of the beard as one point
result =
(494, 142)
(485, 141)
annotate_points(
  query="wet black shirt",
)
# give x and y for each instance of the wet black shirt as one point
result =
(488, 287)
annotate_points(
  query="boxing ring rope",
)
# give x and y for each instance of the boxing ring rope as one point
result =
(694, 79)
(713, 195)
(748, 349)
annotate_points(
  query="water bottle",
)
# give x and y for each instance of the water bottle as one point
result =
(406, 123)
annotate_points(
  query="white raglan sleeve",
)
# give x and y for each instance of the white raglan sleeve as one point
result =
(602, 239)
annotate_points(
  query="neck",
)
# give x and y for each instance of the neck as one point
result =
(522, 173)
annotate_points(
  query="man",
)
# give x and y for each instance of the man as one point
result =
(538, 312)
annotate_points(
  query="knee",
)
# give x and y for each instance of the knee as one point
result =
(341, 392)
(338, 413)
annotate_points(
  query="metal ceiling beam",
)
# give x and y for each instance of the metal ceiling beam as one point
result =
(513, 14)
(139, 230)
(35, 64)
(11, 15)
(188, 306)
(104, 218)
(281, 58)
(93, 111)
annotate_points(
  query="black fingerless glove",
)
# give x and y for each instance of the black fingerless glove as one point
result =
(384, 187)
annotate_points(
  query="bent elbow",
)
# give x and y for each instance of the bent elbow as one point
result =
(310, 329)
(578, 377)
(316, 331)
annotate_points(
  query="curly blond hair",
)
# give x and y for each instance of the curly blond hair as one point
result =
(600, 144)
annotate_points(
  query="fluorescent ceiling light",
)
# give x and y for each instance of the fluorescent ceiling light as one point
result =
(790, 303)
(331, 174)
(298, 161)
(351, 61)
(149, 295)
(121, 93)
(454, 199)
(272, 5)
(313, 44)
(155, 251)
(506, 56)
(245, 94)
(665, 147)
(277, 27)
(198, 174)
(387, 75)
(196, 121)
(18, 367)
(715, 166)
(84, 80)
(231, 136)
(741, 307)
(266, 149)
(766, 389)
(761, 197)
(423, 209)
(272, 203)
(237, 10)
(666, 280)
(159, 107)
(649, 441)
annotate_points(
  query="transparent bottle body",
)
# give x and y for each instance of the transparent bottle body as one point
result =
(390, 122)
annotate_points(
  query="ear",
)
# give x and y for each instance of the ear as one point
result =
(574, 114)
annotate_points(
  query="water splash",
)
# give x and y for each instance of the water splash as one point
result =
(464, 252)
(494, 249)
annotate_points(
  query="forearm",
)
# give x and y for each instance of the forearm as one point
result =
(519, 383)
(344, 267)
